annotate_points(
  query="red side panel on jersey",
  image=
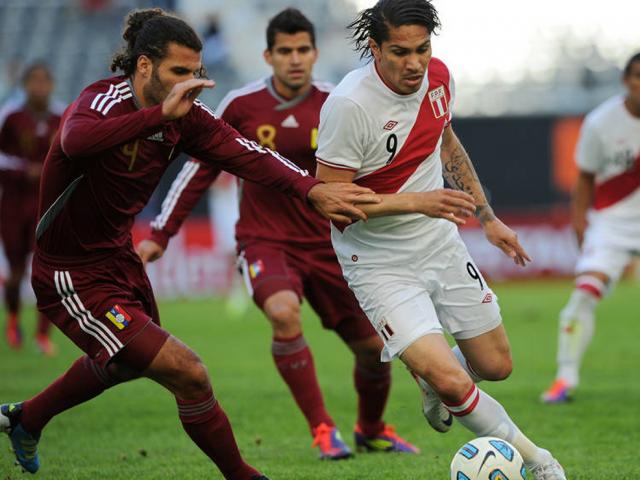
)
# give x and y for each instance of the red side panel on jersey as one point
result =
(618, 188)
(422, 139)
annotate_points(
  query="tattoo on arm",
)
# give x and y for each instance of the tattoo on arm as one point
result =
(459, 172)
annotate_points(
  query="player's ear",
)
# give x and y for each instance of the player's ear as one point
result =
(375, 49)
(267, 56)
(144, 66)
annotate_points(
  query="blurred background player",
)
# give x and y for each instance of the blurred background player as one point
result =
(387, 126)
(223, 202)
(26, 132)
(606, 219)
(284, 247)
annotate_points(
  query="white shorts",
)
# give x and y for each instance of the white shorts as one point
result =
(603, 252)
(442, 290)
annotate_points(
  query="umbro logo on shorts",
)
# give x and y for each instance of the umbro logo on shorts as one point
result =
(488, 298)
(390, 125)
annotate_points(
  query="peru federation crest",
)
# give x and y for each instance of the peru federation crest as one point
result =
(438, 101)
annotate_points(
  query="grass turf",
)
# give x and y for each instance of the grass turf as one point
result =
(132, 431)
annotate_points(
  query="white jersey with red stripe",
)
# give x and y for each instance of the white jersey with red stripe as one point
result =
(609, 147)
(392, 143)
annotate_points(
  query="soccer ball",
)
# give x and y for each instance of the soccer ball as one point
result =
(487, 458)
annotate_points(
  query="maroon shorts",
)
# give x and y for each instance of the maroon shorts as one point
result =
(315, 274)
(17, 228)
(101, 304)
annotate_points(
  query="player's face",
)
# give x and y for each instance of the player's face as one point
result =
(38, 86)
(632, 82)
(402, 59)
(181, 63)
(292, 58)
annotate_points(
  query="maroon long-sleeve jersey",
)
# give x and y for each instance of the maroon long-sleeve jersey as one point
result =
(109, 155)
(288, 126)
(25, 138)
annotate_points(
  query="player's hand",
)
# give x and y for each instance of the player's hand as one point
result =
(452, 205)
(181, 97)
(149, 251)
(506, 240)
(337, 200)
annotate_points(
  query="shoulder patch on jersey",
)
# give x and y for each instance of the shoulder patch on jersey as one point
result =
(116, 93)
(438, 101)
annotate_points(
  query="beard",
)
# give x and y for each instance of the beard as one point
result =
(155, 91)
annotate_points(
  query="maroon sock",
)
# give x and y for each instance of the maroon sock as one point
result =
(83, 381)
(373, 390)
(208, 426)
(44, 325)
(295, 364)
(12, 298)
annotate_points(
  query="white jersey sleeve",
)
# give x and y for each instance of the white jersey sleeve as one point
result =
(343, 134)
(589, 155)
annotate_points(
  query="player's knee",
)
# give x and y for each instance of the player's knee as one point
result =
(195, 380)
(285, 319)
(119, 373)
(499, 369)
(451, 386)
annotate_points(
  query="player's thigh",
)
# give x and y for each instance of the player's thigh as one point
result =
(466, 305)
(102, 308)
(266, 270)
(329, 295)
(489, 354)
(600, 257)
(399, 309)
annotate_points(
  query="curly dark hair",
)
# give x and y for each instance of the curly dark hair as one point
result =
(149, 32)
(290, 20)
(375, 22)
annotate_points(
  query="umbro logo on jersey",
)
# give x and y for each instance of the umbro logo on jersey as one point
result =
(156, 137)
(438, 101)
(390, 125)
(290, 122)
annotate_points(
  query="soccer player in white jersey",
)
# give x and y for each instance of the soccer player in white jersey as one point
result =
(387, 126)
(606, 219)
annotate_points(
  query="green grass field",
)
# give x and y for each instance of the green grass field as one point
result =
(132, 431)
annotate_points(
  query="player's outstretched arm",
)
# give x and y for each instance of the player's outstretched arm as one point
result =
(342, 201)
(459, 172)
(444, 203)
(86, 131)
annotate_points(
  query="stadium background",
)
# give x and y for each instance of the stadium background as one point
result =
(526, 74)
(524, 78)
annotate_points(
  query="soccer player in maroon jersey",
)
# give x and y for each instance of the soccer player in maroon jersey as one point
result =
(115, 141)
(284, 246)
(26, 132)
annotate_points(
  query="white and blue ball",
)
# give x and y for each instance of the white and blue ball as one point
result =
(488, 458)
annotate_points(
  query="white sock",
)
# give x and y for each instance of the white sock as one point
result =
(485, 417)
(465, 365)
(577, 324)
